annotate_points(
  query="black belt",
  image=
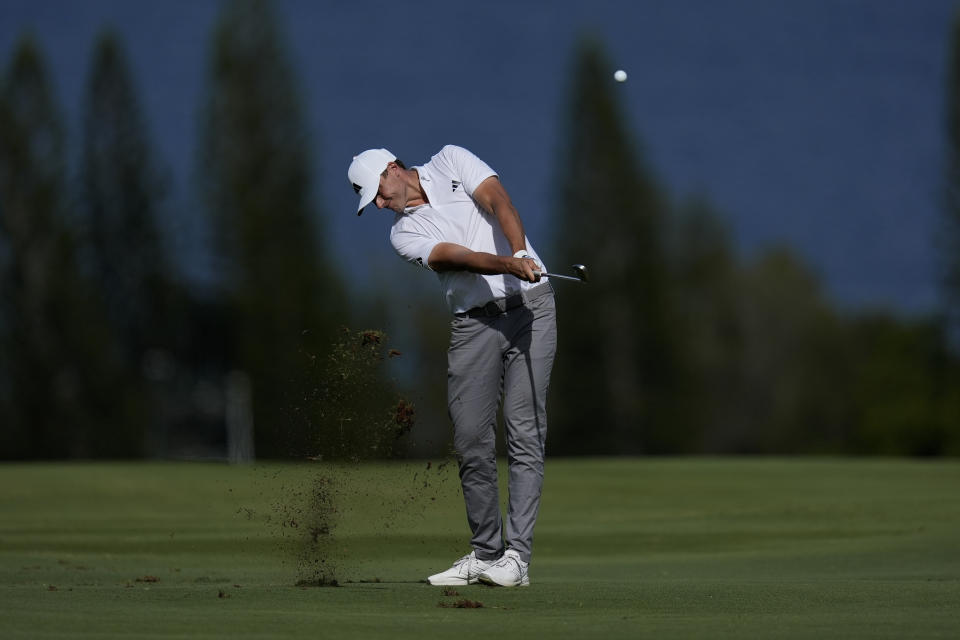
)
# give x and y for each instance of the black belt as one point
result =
(502, 305)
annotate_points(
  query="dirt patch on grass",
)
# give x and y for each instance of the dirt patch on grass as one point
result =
(462, 603)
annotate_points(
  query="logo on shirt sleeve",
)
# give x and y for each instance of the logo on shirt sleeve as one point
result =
(455, 183)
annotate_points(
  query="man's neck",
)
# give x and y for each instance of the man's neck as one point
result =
(415, 189)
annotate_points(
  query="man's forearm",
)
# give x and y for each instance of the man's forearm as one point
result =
(448, 256)
(452, 257)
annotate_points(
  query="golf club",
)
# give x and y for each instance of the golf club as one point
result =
(579, 270)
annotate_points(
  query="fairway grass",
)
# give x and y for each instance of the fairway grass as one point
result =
(660, 548)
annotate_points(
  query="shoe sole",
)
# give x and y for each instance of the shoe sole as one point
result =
(450, 582)
(492, 583)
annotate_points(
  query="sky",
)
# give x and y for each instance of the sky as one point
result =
(817, 124)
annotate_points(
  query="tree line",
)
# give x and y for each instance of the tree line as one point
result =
(679, 345)
(108, 350)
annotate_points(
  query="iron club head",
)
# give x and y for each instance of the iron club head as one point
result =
(579, 270)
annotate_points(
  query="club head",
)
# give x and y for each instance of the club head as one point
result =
(580, 270)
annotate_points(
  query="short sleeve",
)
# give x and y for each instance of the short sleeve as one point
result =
(470, 169)
(412, 246)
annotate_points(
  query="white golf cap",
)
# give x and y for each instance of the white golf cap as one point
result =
(364, 174)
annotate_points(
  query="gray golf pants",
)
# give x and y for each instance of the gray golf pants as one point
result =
(508, 355)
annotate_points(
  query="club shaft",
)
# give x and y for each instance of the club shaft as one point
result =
(557, 275)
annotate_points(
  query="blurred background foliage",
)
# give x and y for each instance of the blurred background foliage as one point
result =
(678, 345)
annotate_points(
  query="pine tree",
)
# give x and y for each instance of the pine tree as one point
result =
(58, 358)
(256, 179)
(121, 191)
(949, 236)
(616, 363)
(706, 291)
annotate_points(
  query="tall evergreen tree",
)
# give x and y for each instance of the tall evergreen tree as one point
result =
(57, 353)
(706, 290)
(121, 191)
(947, 379)
(949, 237)
(256, 178)
(616, 367)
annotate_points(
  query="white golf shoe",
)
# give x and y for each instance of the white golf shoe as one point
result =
(464, 571)
(508, 571)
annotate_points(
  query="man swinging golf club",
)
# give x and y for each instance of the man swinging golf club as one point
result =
(454, 217)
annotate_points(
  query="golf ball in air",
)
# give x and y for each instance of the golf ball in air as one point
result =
(620, 75)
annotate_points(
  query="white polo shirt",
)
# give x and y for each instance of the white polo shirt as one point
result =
(451, 215)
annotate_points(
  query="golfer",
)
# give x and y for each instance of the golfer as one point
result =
(454, 217)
